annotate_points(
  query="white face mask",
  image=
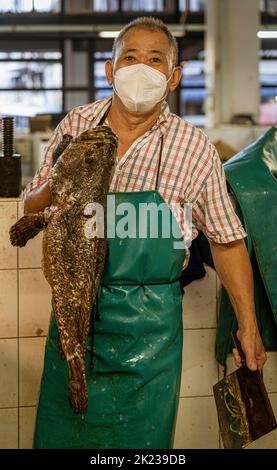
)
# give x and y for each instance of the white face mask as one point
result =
(140, 87)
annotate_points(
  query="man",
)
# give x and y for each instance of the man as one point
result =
(143, 71)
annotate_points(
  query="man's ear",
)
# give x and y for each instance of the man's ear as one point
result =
(175, 79)
(109, 71)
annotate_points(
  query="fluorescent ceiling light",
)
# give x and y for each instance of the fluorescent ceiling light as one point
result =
(114, 34)
(267, 34)
(108, 34)
(178, 34)
(177, 30)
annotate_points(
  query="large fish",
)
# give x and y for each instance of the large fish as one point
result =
(73, 258)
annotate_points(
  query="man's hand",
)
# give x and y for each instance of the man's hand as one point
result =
(253, 349)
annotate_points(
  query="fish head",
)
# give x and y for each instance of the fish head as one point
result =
(85, 166)
(100, 151)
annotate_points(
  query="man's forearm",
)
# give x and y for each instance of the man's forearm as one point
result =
(234, 269)
(38, 199)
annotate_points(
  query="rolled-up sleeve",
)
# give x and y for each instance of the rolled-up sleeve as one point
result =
(213, 212)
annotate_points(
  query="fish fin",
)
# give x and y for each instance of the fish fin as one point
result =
(26, 228)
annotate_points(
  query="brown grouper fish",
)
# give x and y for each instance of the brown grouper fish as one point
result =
(73, 256)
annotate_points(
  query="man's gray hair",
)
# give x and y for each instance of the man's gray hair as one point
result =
(151, 24)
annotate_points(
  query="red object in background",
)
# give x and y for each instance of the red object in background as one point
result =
(268, 114)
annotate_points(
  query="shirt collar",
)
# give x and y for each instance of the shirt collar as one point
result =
(95, 111)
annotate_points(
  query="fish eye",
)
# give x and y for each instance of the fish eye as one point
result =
(89, 157)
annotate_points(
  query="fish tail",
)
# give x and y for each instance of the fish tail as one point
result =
(25, 228)
(60, 348)
(78, 393)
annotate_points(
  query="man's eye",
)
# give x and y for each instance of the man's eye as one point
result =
(155, 59)
(129, 58)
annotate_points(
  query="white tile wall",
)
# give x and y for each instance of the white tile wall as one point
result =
(8, 428)
(30, 255)
(34, 303)
(24, 323)
(8, 303)
(27, 417)
(25, 306)
(8, 253)
(31, 354)
(8, 373)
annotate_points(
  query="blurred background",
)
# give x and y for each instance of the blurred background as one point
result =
(52, 56)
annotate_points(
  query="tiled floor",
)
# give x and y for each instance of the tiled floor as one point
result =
(197, 426)
(200, 302)
(270, 372)
(200, 371)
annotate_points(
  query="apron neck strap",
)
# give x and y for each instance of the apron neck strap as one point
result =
(103, 118)
(101, 122)
(159, 164)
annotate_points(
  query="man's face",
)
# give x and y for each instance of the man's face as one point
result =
(141, 46)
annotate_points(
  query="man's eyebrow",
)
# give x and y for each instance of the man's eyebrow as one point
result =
(129, 50)
(153, 51)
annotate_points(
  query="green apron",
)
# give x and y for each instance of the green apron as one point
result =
(251, 176)
(134, 386)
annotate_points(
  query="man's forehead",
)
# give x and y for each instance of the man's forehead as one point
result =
(145, 40)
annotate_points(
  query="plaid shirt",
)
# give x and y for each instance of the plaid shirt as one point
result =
(190, 169)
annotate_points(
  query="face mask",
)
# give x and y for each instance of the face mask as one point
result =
(140, 87)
